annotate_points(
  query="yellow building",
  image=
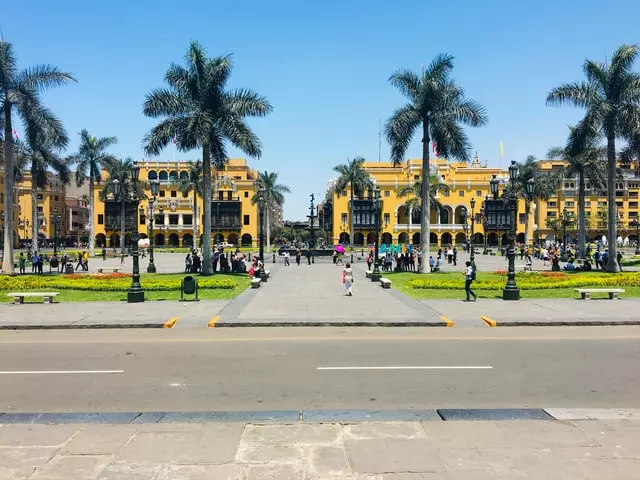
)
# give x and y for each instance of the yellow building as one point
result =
(51, 200)
(233, 218)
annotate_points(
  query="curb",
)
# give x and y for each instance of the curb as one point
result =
(171, 322)
(561, 323)
(320, 323)
(97, 326)
(488, 321)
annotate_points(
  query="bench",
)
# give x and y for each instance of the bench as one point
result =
(385, 283)
(18, 297)
(585, 293)
(112, 270)
(255, 283)
(524, 267)
(368, 273)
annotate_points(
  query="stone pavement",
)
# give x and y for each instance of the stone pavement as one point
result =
(429, 450)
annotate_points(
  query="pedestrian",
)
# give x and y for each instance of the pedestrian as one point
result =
(469, 276)
(121, 257)
(79, 260)
(21, 263)
(450, 255)
(104, 253)
(619, 259)
(369, 260)
(432, 263)
(347, 279)
(286, 259)
(309, 256)
(521, 252)
(298, 255)
(85, 261)
(188, 262)
(455, 256)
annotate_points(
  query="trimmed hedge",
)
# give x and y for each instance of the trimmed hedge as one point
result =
(534, 281)
(107, 283)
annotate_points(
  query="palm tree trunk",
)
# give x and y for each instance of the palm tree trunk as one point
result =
(425, 204)
(268, 223)
(195, 218)
(35, 227)
(7, 264)
(527, 209)
(351, 232)
(612, 265)
(92, 233)
(122, 224)
(206, 234)
(581, 217)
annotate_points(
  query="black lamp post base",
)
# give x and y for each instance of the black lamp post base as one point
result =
(375, 276)
(511, 294)
(151, 268)
(135, 296)
(263, 277)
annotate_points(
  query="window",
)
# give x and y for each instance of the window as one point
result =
(229, 195)
(587, 203)
(478, 193)
(56, 198)
(246, 220)
(446, 193)
(461, 193)
(552, 204)
(220, 195)
(344, 193)
(343, 218)
(478, 218)
(633, 204)
(387, 219)
(187, 219)
(619, 204)
(569, 194)
(40, 210)
(633, 185)
(387, 193)
(174, 194)
(162, 193)
(40, 197)
(569, 204)
(416, 178)
(246, 194)
(100, 219)
(173, 219)
(602, 204)
(160, 219)
(552, 214)
(143, 219)
(185, 194)
(521, 218)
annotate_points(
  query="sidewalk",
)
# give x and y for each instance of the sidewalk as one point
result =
(455, 450)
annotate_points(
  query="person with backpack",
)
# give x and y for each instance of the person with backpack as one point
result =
(469, 276)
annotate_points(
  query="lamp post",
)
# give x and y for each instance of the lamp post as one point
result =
(155, 188)
(473, 223)
(565, 221)
(375, 274)
(636, 223)
(511, 290)
(463, 221)
(55, 219)
(263, 275)
(135, 293)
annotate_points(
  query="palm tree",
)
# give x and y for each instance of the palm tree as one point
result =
(415, 193)
(438, 105)
(611, 97)
(200, 113)
(20, 94)
(587, 161)
(273, 196)
(192, 183)
(353, 175)
(120, 171)
(91, 158)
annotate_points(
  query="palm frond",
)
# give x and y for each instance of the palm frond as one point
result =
(400, 129)
(42, 77)
(577, 94)
(407, 82)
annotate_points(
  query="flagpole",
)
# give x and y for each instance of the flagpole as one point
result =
(379, 139)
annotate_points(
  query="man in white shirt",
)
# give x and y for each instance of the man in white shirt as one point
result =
(286, 258)
(469, 275)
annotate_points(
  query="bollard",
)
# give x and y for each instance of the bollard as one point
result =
(352, 258)
(274, 257)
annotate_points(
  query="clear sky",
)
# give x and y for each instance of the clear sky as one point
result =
(324, 66)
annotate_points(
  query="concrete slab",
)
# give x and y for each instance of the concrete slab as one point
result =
(594, 413)
(454, 414)
(394, 455)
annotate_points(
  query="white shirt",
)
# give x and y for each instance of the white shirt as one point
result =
(469, 273)
(286, 254)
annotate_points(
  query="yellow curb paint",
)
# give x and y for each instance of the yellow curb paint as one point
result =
(213, 321)
(448, 321)
(171, 323)
(488, 321)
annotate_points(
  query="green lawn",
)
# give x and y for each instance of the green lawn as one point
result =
(401, 283)
(75, 295)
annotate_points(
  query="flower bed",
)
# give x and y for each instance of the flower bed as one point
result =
(115, 282)
(528, 281)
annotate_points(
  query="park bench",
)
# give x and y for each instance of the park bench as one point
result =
(18, 297)
(385, 283)
(585, 293)
(524, 267)
(112, 270)
(255, 282)
(368, 273)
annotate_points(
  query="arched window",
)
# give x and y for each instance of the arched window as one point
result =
(152, 175)
(164, 176)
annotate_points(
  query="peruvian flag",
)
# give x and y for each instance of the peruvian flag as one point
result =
(175, 140)
(434, 145)
(15, 134)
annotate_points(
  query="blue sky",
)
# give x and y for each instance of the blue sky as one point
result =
(324, 66)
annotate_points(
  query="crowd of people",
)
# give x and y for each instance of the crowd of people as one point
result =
(55, 262)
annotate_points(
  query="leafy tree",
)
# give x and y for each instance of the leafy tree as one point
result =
(130, 190)
(200, 113)
(415, 193)
(90, 159)
(192, 183)
(352, 175)
(273, 197)
(20, 95)
(437, 104)
(611, 97)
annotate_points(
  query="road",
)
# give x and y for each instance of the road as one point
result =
(277, 369)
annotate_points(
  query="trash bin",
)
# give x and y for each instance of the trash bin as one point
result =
(189, 286)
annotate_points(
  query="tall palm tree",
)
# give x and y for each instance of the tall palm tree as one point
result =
(199, 112)
(91, 158)
(130, 190)
(438, 105)
(588, 162)
(20, 94)
(192, 183)
(357, 179)
(611, 97)
(273, 196)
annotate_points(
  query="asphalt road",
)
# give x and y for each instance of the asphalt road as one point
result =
(277, 369)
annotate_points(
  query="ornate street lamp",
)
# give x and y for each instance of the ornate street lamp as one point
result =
(473, 222)
(55, 219)
(636, 223)
(494, 184)
(261, 205)
(135, 293)
(155, 188)
(511, 290)
(375, 274)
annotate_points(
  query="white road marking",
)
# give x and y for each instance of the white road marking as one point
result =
(55, 372)
(446, 367)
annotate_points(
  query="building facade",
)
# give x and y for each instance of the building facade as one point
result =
(234, 219)
(16, 213)
(50, 201)
(401, 225)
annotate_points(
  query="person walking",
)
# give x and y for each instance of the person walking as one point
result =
(85, 261)
(347, 279)
(286, 259)
(188, 263)
(21, 263)
(104, 253)
(469, 276)
(79, 260)
(122, 258)
(455, 256)
(298, 255)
